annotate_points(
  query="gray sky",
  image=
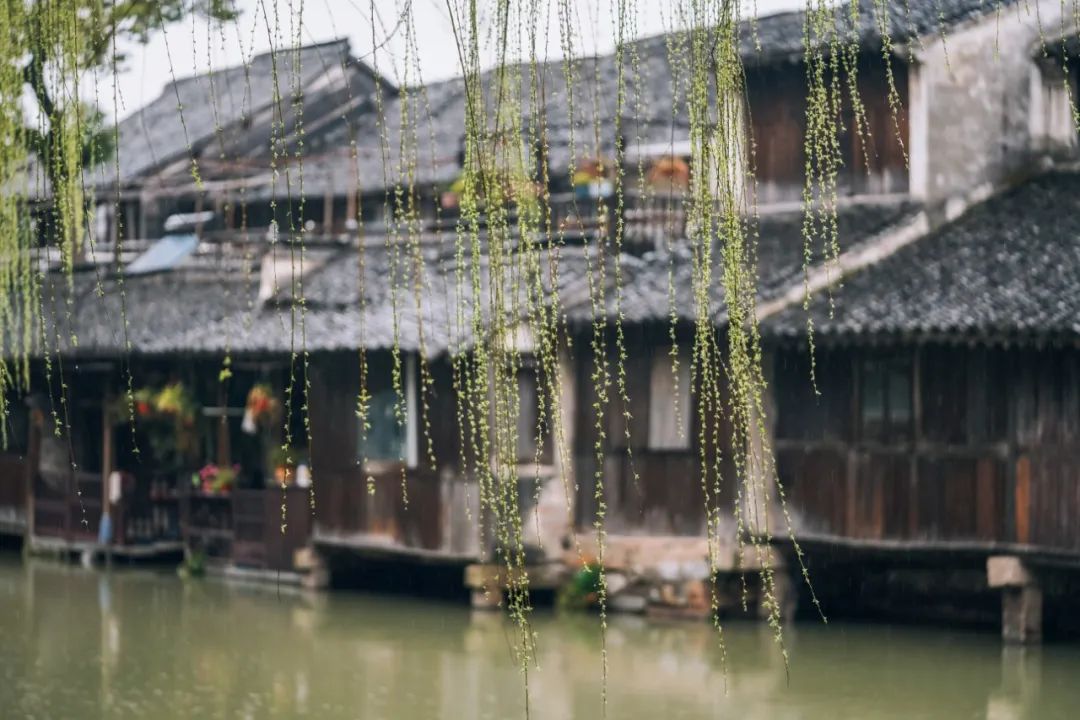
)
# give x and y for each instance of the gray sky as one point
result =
(192, 47)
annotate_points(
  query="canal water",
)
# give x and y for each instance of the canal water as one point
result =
(80, 644)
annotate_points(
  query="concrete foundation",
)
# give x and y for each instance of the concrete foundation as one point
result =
(487, 583)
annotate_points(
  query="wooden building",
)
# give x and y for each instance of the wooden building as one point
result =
(136, 417)
(14, 465)
(954, 464)
(945, 432)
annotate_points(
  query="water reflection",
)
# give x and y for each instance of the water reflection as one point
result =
(79, 644)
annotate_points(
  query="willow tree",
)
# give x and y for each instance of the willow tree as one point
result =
(506, 244)
(57, 47)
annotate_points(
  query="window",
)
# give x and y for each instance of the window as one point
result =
(528, 414)
(885, 399)
(533, 432)
(813, 405)
(669, 402)
(391, 434)
(385, 436)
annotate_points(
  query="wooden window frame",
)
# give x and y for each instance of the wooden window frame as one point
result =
(893, 430)
(665, 436)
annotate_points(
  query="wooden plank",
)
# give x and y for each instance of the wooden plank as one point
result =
(987, 504)
(1022, 494)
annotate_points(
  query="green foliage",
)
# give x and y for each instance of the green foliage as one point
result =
(506, 243)
(194, 565)
(583, 589)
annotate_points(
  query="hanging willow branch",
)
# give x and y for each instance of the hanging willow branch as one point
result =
(510, 247)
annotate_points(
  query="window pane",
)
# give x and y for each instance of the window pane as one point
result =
(386, 435)
(872, 400)
(527, 415)
(900, 400)
(669, 403)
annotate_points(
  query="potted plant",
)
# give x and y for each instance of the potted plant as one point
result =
(216, 480)
(167, 417)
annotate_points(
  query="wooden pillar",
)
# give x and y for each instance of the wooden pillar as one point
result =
(112, 213)
(199, 207)
(149, 216)
(224, 451)
(412, 413)
(228, 210)
(351, 205)
(1021, 599)
(1021, 614)
(33, 462)
(107, 465)
(328, 213)
(916, 439)
(851, 467)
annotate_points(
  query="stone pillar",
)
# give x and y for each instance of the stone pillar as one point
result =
(315, 569)
(1021, 599)
(486, 584)
(785, 594)
(489, 599)
(1021, 614)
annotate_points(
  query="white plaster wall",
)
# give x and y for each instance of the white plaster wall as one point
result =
(971, 101)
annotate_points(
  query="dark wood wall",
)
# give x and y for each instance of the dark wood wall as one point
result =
(12, 485)
(932, 445)
(873, 161)
(385, 502)
(646, 490)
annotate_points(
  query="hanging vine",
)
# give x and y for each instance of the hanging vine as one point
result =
(511, 241)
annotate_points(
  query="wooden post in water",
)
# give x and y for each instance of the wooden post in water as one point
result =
(107, 447)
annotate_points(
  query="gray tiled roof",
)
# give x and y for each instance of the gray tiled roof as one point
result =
(203, 308)
(1007, 269)
(780, 36)
(88, 315)
(572, 112)
(657, 286)
(157, 134)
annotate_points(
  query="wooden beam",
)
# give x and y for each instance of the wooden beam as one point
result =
(107, 447)
(328, 213)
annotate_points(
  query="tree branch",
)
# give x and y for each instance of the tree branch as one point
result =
(34, 75)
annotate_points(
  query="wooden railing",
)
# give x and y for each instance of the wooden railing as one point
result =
(265, 534)
(12, 484)
(247, 527)
(69, 507)
(649, 221)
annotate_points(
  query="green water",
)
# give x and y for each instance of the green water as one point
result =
(81, 644)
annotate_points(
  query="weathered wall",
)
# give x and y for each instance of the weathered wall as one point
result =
(873, 162)
(986, 456)
(386, 505)
(971, 102)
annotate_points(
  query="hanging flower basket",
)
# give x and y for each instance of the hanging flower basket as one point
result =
(669, 173)
(174, 401)
(168, 416)
(261, 408)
